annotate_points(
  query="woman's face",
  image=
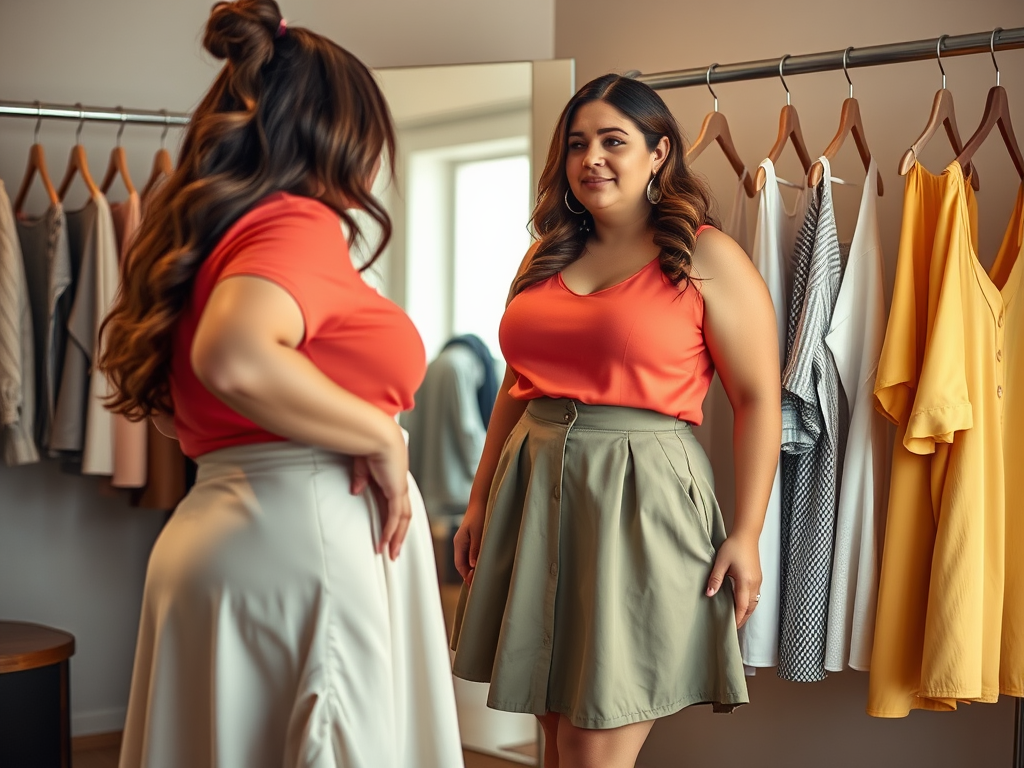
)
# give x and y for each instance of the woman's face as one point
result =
(607, 161)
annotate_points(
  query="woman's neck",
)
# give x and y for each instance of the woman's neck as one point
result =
(620, 231)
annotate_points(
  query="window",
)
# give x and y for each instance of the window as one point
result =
(492, 208)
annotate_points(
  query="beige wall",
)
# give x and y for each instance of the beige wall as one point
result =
(789, 724)
(70, 556)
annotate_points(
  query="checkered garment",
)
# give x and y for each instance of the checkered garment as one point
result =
(813, 430)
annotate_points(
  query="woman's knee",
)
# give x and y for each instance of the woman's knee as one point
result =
(587, 747)
(549, 722)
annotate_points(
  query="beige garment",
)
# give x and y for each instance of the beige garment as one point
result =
(82, 424)
(130, 437)
(272, 635)
(17, 359)
(855, 338)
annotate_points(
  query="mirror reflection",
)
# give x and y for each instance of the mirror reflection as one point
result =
(460, 205)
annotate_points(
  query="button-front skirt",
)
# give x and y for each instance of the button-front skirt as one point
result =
(588, 597)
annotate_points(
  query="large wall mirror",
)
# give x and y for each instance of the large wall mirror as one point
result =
(471, 142)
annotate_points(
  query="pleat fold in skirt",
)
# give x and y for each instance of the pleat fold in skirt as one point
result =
(273, 636)
(589, 592)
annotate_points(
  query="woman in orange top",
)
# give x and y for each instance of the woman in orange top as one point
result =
(279, 625)
(594, 553)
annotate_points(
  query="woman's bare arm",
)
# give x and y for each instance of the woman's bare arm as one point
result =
(244, 352)
(740, 330)
(507, 412)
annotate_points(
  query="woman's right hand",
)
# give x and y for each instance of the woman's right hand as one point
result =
(387, 475)
(467, 541)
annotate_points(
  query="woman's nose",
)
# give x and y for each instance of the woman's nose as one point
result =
(594, 156)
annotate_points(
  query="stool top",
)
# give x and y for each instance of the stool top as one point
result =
(27, 646)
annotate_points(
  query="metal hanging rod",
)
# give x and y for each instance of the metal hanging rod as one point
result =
(76, 112)
(869, 56)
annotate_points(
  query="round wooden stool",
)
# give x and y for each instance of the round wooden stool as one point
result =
(35, 706)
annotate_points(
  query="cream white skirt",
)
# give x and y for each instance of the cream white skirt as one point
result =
(272, 634)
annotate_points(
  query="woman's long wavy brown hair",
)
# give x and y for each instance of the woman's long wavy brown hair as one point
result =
(685, 199)
(290, 111)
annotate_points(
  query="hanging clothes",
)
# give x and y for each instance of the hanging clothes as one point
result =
(446, 430)
(44, 247)
(1006, 272)
(82, 425)
(487, 392)
(130, 437)
(942, 379)
(715, 432)
(774, 240)
(813, 432)
(855, 339)
(896, 655)
(17, 342)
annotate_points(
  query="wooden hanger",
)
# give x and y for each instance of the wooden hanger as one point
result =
(850, 123)
(162, 165)
(77, 163)
(36, 165)
(997, 112)
(942, 114)
(716, 129)
(118, 164)
(789, 131)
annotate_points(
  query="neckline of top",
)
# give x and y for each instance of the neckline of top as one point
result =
(1005, 291)
(632, 277)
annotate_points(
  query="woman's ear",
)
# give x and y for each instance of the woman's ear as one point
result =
(660, 153)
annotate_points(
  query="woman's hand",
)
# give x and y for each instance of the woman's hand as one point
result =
(467, 541)
(739, 559)
(386, 474)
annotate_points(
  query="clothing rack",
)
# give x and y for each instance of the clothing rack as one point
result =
(102, 114)
(869, 56)
(851, 58)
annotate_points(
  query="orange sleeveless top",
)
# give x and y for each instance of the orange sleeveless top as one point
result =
(639, 343)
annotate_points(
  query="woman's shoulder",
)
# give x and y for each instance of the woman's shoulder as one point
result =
(286, 210)
(716, 255)
(523, 266)
(282, 219)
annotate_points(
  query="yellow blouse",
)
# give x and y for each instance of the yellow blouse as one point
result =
(942, 380)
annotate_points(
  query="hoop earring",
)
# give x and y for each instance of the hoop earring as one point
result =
(578, 213)
(653, 192)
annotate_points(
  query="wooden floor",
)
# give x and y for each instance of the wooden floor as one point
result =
(101, 751)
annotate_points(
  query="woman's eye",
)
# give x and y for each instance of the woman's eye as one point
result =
(612, 142)
(575, 145)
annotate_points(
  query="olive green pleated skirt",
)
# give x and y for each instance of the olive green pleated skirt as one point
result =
(588, 596)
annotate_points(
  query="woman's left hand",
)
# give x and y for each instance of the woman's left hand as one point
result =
(738, 558)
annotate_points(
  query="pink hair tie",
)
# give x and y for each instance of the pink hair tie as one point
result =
(282, 28)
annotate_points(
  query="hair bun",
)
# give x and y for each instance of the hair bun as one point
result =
(243, 31)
